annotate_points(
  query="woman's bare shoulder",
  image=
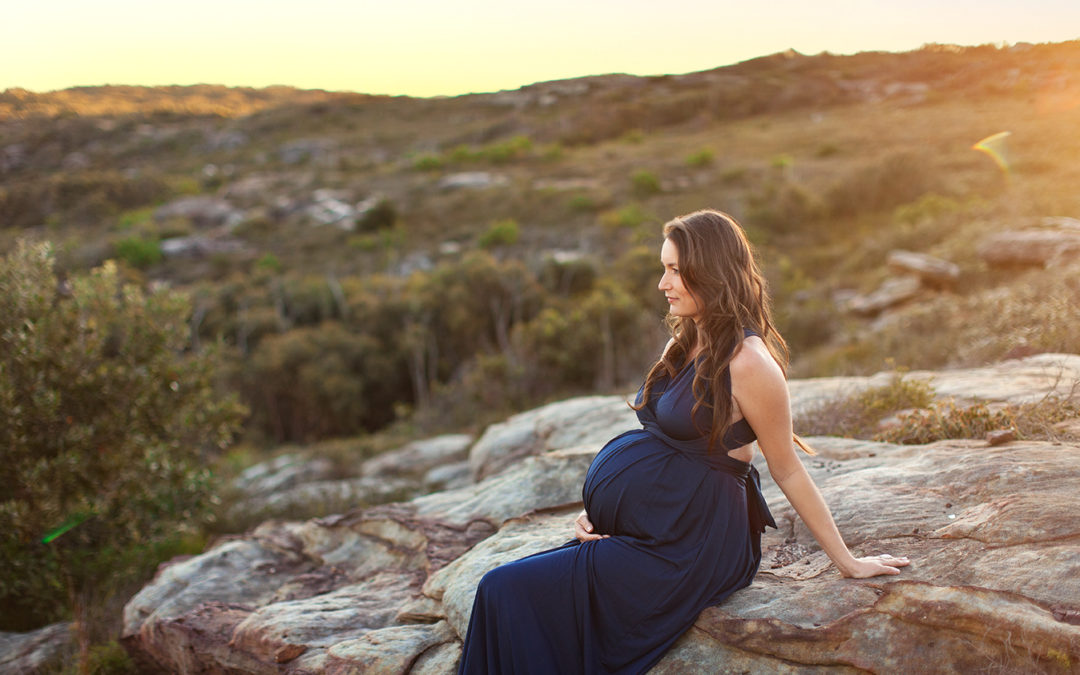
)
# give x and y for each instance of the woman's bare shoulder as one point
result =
(753, 361)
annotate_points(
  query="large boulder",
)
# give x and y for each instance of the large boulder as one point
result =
(893, 291)
(931, 271)
(419, 457)
(576, 421)
(992, 536)
(38, 651)
(1040, 247)
(288, 592)
(1015, 381)
(991, 531)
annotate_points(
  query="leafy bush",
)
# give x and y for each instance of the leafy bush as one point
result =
(703, 157)
(501, 153)
(379, 217)
(948, 419)
(630, 215)
(783, 206)
(782, 161)
(268, 263)
(138, 252)
(428, 163)
(501, 233)
(109, 423)
(858, 415)
(645, 183)
(323, 381)
(569, 277)
(581, 203)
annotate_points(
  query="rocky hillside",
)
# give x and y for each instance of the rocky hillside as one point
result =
(990, 529)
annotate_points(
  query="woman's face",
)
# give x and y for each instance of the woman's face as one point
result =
(681, 302)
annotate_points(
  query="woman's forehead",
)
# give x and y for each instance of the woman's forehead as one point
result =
(669, 252)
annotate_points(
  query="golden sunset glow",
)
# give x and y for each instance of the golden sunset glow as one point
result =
(426, 48)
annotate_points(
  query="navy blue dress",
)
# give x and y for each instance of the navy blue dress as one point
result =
(685, 528)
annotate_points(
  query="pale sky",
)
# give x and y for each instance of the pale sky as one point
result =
(433, 47)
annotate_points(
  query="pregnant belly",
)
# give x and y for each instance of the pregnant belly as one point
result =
(638, 486)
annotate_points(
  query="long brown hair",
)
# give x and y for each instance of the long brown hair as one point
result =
(717, 266)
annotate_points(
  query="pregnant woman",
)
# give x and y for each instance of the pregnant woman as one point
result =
(673, 511)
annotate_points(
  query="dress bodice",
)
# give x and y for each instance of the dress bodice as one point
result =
(672, 407)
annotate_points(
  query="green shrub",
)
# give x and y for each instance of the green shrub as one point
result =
(461, 154)
(783, 206)
(501, 233)
(383, 215)
(109, 422)
(782, 161)
(130, 219)
(858, 415)
(138, 252)
(428, 163)
(645, 183)
(581, 203)
(569, 277)
(948, 419)
(553, 152)
(268, 263)
(628, 216)
(701, 158)
(501, 153)
(323, 381)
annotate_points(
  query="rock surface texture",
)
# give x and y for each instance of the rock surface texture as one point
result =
(994, 584)
(36, 651)
(1054, 243)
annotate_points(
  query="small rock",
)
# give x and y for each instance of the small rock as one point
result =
(472, 180)
(933, 272)
(420, 456)
(1042, 247)
(1001, 436)
(289, 652)
(892, 292)
(37, 650)
(199, 246)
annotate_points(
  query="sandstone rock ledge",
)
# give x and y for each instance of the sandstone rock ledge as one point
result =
(994, 585)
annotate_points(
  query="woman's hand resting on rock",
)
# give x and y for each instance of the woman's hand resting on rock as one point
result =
(873, 565)
(583, 529)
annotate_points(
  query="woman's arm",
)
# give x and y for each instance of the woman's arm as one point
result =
(759, 387)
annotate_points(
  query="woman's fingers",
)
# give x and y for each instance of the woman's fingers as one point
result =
(583, 529)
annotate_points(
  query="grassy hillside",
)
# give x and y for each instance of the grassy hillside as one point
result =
(537, 281)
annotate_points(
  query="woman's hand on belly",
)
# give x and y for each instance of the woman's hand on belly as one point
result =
(583, 528)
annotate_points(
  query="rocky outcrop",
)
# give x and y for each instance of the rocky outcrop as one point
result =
(36, 651)
(577, 421)
(931, 271)
(301, 590)
(891, 292)
(991, 532)
(472, 180)
(1054, 243)
(420, 457)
